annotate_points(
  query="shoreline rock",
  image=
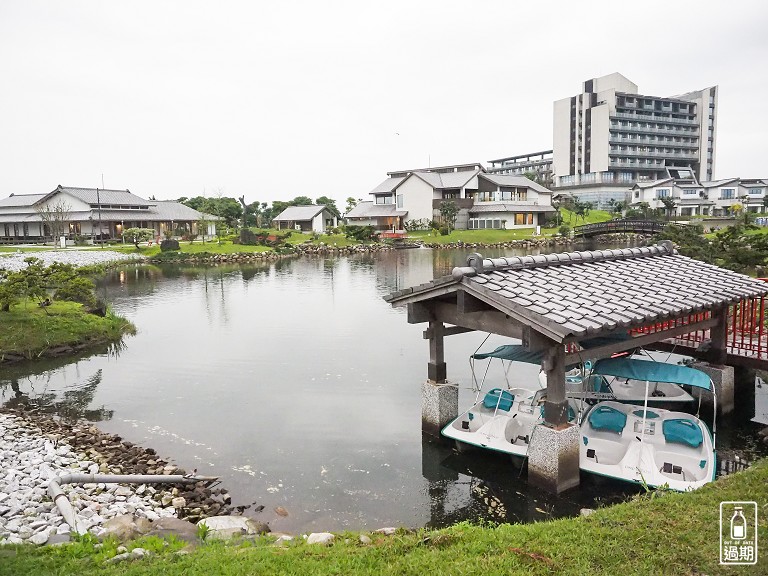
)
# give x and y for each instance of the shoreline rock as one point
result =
(34, 448)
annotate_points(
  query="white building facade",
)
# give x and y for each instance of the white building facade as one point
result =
(609, 137)
(484, 200)
(714, 198)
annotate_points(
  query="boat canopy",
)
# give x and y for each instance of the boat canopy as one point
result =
(511, 352)
(515, 353)
(649, 371)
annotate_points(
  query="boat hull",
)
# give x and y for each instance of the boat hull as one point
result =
(654, 451)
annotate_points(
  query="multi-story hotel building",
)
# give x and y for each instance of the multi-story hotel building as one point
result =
(610, 137)
(537, 163)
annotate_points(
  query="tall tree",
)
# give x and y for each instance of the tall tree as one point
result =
(301, 201)
(449, 210)
(351, 203)
(329, 203)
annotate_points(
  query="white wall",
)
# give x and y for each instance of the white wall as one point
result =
(75, 204)
(601, 123)
(417, 198)
(561, 137)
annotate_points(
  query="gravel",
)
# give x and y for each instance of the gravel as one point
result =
(35, 449)
(15, 261)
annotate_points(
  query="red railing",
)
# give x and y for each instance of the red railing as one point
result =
(746, 330)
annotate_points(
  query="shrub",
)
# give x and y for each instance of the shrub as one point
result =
(77, 289)
(359, 233)
(565, 230)
(445, 230)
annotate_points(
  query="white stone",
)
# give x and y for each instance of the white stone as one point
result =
(322, 538)
(40, 538)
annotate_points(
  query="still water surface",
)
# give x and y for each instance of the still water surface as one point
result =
(299, 386)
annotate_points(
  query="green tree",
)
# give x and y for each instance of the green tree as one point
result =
(449, 210)
(329, 203)
(669, 205)
(301, 201)
(136, 235)
(351, 203)
(581, 209)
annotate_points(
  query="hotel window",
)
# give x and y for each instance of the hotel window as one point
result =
(399, 200)
(662, 193)
(727, 193)
(519, 219)
(755, 192)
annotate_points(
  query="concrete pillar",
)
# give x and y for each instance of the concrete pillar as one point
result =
(722, 378)
(439, 405)
(553, 458)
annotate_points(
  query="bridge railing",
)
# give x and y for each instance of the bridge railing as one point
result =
(746, 337)
(621, 225)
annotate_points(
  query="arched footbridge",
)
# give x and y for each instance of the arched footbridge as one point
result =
(620, 226)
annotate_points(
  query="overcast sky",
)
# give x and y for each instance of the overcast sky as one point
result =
(280, 99)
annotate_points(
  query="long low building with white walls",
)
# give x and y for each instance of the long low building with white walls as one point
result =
(89, 213)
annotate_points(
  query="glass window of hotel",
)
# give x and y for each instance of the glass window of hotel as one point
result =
(519, 219)
(727, 193)
(662, 192)
(383, 199)
(755, 192)
(529, 218)
(399, 200)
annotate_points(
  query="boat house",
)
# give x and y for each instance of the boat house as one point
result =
(571, 307)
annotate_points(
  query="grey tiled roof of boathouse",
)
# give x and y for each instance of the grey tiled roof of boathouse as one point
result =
(589, 292)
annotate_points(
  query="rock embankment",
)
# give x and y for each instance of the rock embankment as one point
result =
(36, 448)
(15, 261)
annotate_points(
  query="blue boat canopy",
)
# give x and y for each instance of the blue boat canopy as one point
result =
(511, 352)
(647, 370)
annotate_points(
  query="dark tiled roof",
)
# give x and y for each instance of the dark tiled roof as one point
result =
(585, 293)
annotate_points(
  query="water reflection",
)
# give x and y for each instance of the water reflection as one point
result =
(300, 386)
(70, 404)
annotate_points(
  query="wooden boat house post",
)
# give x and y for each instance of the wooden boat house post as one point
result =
(715, 365)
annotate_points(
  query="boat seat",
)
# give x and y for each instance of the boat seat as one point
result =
(491, 399)
(683, 431)
(607, 418)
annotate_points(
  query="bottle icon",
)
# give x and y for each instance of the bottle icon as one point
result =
(738, 525)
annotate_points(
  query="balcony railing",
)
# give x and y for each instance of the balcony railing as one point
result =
(460, 202)
(654, 118)
(653, 131)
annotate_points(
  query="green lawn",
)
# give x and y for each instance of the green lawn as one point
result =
(29, 330)
(656, 534)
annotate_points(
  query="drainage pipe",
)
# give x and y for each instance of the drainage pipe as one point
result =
(65, 507)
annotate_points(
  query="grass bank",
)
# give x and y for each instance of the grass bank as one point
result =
(29, 331)
(654, 534)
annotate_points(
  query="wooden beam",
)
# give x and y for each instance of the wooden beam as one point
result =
(638, 341)
(466, 303)
(419, 312)
(488, 321)
(448, 331)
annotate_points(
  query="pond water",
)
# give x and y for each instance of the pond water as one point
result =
(299, 386)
